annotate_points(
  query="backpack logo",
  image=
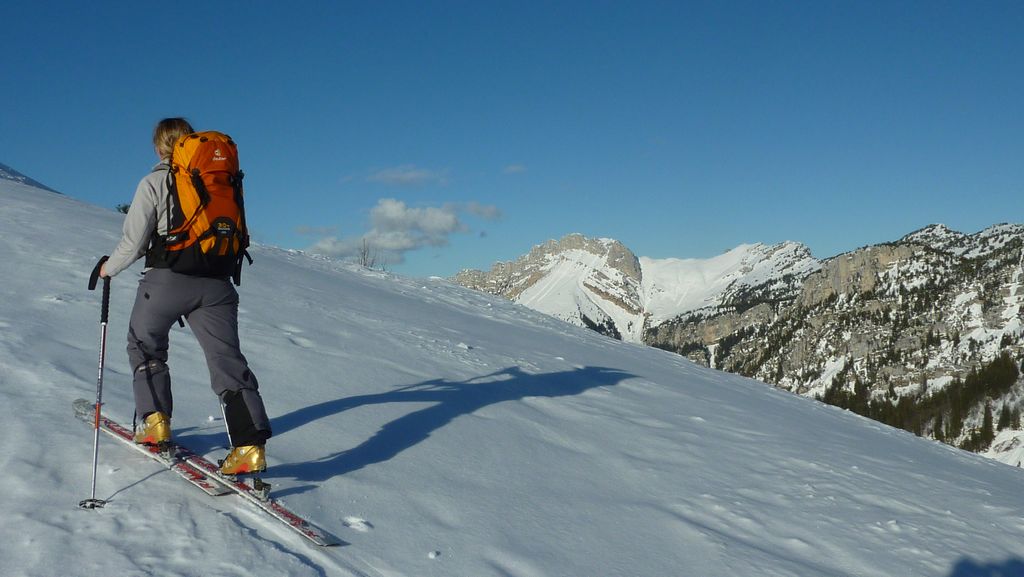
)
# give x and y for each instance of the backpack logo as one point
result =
(218, 156)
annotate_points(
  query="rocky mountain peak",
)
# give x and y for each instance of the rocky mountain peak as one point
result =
(934, 235)
(941, 238)
(510, 279)
(593, 282)
(616, 255)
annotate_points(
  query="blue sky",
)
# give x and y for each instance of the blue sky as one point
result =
(463, 133)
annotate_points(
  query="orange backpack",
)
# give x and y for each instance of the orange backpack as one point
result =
(206, 232)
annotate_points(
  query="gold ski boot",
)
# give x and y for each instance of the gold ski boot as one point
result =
(155, 430)
(245, 459)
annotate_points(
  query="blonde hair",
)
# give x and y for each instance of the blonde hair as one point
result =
(167, 132)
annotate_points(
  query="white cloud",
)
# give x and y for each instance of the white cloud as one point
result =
(338, 247)
(431, 223)
(408, 175)
(397, 228)
(514, 169)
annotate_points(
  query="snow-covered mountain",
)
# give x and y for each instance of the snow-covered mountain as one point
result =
(8, 173)
(601, 284)
(925, 333)
(700, 287)
(906, 323)
(595, 283)
(943, 239)
(440, 431)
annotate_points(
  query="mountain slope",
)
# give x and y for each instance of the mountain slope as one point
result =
(699, 287)
(8, 173)
(601, 284)
(898, 331)
(444, 432)
(906, 332)
(596, 283)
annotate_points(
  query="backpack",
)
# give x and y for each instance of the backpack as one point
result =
(206, 232)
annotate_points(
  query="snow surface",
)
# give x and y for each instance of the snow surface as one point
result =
(8, 173)
(444, 432)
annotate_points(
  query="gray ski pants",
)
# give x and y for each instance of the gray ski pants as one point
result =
(210, 306)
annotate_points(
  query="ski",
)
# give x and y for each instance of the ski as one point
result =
(303, 527)
(204, 474)
(84, 410)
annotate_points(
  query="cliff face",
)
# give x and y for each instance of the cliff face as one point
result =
(898, 313)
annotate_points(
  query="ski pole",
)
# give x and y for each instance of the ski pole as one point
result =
(92, 502)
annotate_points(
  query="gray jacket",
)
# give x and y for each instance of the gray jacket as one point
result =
(147, 212)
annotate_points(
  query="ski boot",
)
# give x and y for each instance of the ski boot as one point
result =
(247, 460)
(155, 431)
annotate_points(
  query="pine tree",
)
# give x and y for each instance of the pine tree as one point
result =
(955, 426)
(987, 432)
(1004, 417)
(861, 394)
(937, 431)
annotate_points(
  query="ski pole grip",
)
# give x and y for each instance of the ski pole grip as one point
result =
(96, 272)
(105, 307)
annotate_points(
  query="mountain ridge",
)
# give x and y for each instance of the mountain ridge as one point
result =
(602, 284)
(908, 318)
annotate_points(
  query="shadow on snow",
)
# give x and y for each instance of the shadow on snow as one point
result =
(970, 568)
(450, 399)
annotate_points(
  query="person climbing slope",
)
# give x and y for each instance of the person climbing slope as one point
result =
(187, 218)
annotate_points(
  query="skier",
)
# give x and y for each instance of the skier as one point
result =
(208, 303)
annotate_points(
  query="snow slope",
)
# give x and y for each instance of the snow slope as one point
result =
(674, 287)
(567, 292)
(8, 173)
(443, 432)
